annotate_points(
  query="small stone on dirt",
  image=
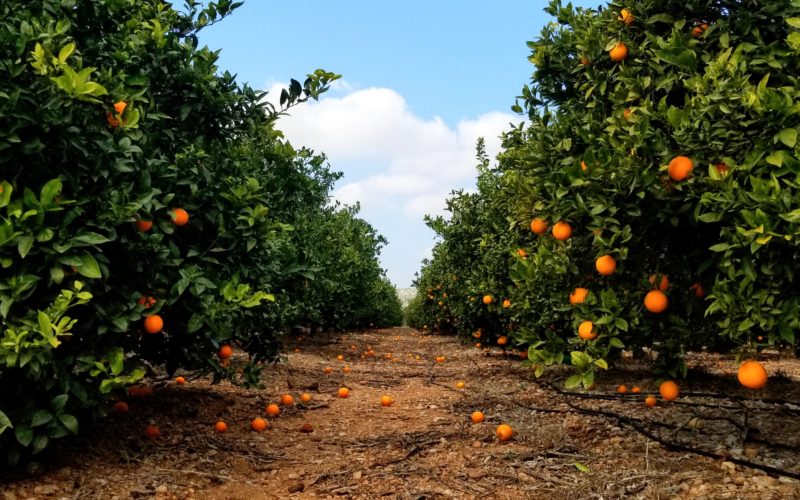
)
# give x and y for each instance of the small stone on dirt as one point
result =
(728, 466)
(751, 452)
(357, 475)
(162, 488)
(765, 481)
(45, 489)
(64, 472)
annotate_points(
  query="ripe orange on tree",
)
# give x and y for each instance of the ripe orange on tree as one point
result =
(488, 299)
(153, 323)
(562, 231)
(506, 304)
(627, 113)
(586, 330)
(619, 52)
(605, 265)
(273, 410)
(752, 375)
(578, 296)
(287, 400)
(221, 426)
(636, 389)
(343, 392)
(476, 417)
(583, 166)
(120, 407)
(258, 424)
(698, 290)
(522, 253)
(112, 120)
(503, 340)
(679, 168)
(504, 432)
(144, 225)
(626, 16)
(622, 389)
(146, 301)
(386, 401)
(663, 283)
(120, 106)
(669, 390)
(225, 351)
(180, 217)
(699, 30)
(151, 431)
(655, 301)
(539, 226)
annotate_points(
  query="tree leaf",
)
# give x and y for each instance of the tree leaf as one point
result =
(41, 417)
(58, 402)
(89, 266)
(788, 136)
(573, 381)
(582, 467)
(195, 323)
(24, 245)
(116, 360)
(39, 443)
(70, 422)
(24, 434)
(5, 423)
(794, 40)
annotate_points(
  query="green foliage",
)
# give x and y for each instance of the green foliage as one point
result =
(110, 114)
(716, 82)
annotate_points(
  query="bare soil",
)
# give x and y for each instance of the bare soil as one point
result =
(567, 444)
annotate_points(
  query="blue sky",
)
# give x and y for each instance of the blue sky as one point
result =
(421, 81)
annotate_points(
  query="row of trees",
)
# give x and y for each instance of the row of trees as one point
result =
(151, 212)
(651, 201)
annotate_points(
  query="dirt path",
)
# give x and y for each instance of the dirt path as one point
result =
(423, 446)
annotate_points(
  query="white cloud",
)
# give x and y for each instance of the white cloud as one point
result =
(397, 165)
(407, 162)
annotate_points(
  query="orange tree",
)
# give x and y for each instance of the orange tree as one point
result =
(470, 264)
(150, 212)
(665, 135)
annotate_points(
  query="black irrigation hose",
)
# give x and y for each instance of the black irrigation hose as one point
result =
(638, 426)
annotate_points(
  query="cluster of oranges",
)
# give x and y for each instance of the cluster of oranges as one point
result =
(154, 323)
(504, 432)
(668, 389)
